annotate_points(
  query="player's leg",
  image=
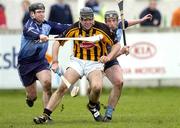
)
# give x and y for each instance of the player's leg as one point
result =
(95, 77)
(95, 81)
(114, 74)
(43, 74)
(57, 97)
(31, 94)
(28, 79)
(44, 77)
(72, 76)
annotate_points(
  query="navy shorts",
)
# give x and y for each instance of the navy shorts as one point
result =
(27, 72)
(110, 64)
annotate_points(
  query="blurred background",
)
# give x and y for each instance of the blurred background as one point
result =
(132, 8)
(154, 55)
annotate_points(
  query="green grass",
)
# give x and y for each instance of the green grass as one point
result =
(138, 108)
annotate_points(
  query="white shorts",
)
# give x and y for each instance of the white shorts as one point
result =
(84, 67)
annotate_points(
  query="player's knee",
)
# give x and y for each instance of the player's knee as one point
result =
(47, 85)
(118, 83)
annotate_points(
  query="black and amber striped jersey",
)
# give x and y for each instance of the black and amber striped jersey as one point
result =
(95, 51)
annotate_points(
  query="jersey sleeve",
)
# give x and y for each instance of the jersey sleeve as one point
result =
(120, 24)
(30, 32)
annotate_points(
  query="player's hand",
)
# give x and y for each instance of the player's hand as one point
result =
(104, 59)
(54, 66)
(147, 17)
(125, 50)
(43, 38)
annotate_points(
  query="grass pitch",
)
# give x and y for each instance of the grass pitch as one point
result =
(138, 108)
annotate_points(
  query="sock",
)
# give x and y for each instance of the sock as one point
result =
(109, 111)
(47, 111)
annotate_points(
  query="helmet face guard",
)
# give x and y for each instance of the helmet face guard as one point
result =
(35, 6)
(111, 14)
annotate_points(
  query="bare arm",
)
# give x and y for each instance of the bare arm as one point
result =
(112, 55)
(137, 21)
(124, 50)
(115, 49)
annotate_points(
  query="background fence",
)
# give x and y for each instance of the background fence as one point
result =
(154, 57)
(153, 60)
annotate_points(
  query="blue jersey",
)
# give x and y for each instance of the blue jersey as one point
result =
(31, 49)
(118, 33)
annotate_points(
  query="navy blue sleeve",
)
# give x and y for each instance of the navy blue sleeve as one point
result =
(120, 24)
(58, 28)
(30, 31)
